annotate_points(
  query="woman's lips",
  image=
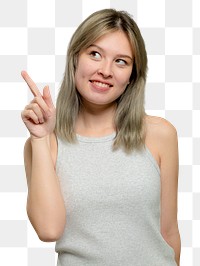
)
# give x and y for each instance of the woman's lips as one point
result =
(100, 86)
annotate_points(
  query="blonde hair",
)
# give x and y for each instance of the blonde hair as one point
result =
(130, 113)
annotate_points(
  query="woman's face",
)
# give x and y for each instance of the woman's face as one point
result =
(104, 69)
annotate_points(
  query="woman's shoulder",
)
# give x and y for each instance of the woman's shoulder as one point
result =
(160, 133)
(159, 126)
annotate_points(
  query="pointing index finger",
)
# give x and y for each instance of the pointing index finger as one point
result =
(30, 83)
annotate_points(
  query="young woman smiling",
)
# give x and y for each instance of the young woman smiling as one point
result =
(102, 174)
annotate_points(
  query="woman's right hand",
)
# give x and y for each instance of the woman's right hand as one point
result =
(39, 115)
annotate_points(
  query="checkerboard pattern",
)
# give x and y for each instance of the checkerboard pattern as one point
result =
(34, 36)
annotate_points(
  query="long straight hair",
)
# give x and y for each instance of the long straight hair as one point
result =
(130, 112)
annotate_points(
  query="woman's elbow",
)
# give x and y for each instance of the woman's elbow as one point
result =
(49, 236)
(48, 229)
(49, 232)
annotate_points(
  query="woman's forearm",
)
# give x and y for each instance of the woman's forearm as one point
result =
(45, 205)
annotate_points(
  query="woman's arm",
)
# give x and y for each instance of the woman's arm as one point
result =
(168, 147)
(163, 141)
(45, 204)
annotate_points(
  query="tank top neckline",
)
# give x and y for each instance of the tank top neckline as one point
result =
(105, 138)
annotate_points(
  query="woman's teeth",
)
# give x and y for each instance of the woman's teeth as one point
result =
(100, 84)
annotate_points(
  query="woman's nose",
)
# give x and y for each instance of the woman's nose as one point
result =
(105, 69)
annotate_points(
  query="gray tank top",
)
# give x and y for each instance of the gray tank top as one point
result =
(113, 206)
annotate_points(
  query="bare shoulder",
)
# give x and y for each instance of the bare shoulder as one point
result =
(160, 127)
(160, 136)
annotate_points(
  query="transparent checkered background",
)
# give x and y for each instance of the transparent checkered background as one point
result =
(33, 36)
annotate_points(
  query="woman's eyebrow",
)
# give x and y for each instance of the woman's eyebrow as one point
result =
(118, 55)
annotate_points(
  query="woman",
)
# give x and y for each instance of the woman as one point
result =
(102, 174)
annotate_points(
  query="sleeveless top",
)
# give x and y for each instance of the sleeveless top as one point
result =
(112, 205)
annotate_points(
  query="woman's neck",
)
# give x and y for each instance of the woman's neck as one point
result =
(96, 121)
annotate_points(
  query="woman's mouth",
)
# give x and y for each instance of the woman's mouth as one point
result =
(100, 86)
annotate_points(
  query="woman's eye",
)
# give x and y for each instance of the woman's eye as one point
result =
(95, 54)
(121, 62)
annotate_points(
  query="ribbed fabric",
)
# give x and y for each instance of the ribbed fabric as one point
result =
(113, 206)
